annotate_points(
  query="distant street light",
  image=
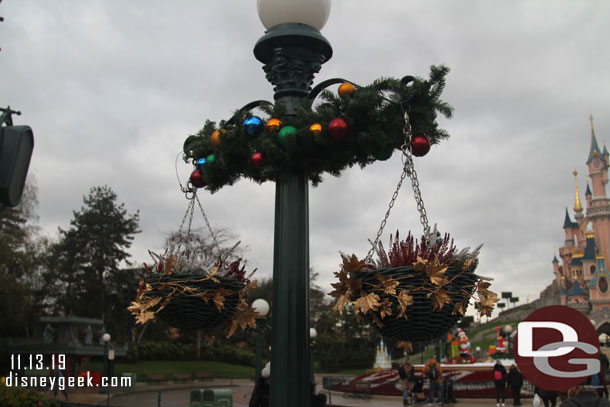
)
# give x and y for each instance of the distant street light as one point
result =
(106, 339)
(261, 307)
(312, 335)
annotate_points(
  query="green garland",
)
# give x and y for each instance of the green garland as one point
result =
(374, 115)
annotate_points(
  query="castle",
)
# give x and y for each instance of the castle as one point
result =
(582, 280)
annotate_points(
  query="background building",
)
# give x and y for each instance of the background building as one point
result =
(581, 276)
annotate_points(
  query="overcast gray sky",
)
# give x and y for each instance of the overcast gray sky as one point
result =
(112, 89)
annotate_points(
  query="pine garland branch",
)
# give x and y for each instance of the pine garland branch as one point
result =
(374, 115)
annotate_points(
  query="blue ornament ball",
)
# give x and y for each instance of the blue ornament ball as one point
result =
(253, 125)
(200, 163)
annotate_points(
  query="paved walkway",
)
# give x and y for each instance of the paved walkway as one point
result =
(178, 395)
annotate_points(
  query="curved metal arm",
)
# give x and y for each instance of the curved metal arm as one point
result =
(325, 84)
(249, 106)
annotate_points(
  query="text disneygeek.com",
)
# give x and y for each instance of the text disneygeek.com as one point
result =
(60, 383)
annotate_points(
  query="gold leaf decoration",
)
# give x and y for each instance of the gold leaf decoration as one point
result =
(461, 307)
(342, 301)
(420, 264)
(406, 345)
(404, 300)
(352, 265)
(385, 308)
(440, 297)
(388, 284)
(436, 273)
(366, 303)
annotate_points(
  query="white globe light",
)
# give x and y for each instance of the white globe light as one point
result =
(310, 12)
(106, 337)
(313, 333)
(261, 307)
(508, 329)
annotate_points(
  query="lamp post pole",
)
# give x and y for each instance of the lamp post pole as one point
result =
(292, 53)
(106, 339)
(312, 335)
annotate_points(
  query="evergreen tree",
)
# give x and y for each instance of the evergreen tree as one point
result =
(19, 254)
(83, 267)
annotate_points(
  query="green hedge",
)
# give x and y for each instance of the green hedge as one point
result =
(335, 355)
(182, 351)
(23, 397)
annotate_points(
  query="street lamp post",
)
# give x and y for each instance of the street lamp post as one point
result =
(106, 339)
(292, 51)
(508, 329)
(261, 307)
(312, 335)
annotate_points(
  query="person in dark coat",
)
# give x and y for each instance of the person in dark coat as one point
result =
(499, 375)
(514, 380)
(583, 396)
(260, 394)
(549, 398)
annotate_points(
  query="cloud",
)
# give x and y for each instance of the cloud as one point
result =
(112, 90)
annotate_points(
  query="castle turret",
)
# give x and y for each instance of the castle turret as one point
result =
(570, 227)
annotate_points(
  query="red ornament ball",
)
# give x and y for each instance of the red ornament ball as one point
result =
(338, 129)
(197, 179)
(420, 145)
(257, 160)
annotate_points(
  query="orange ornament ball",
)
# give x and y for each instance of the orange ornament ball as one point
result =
(316, 128)
(274, 125)
(346, 89)
(215, 138)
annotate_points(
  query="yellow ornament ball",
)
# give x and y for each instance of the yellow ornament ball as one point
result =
(274, 125)
(316, 128)
(215, 138)
(346, 89)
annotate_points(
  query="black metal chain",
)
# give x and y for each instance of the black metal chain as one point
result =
(190, 192)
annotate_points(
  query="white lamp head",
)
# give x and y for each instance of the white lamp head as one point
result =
(508, 329)
(106, 337)
(310, 12)
(313, 333)
(261, 307)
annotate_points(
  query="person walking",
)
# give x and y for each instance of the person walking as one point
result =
(514, 380)
(581, 396)
(433, 371)
(406, 372)
(549, 397)
(260, 394)
(499, 374)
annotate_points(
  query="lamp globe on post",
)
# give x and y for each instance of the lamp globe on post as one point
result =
(106, 340)
(312, 336)
(508, 329)
(292, 51)
(261, 307)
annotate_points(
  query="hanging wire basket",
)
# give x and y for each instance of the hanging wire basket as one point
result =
(421, 321)
(418, 291)
(187, 293)
(187, 308)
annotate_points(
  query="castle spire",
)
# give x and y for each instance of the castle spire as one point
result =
(595, 150)
(577, 205)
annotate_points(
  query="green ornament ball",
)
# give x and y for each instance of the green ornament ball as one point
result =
(210, 158)
(285, 132)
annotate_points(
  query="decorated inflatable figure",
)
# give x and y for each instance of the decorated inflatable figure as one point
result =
(464, 344)
(501, 345)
